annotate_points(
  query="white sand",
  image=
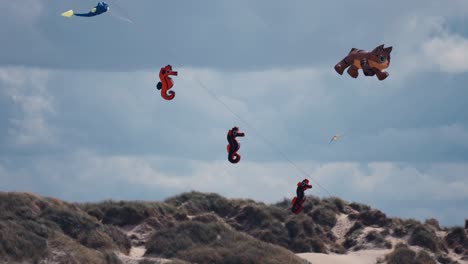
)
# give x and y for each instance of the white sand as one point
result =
(141, 232)
(136, 255)
(368, 256)
(137, 252)
(342, 226)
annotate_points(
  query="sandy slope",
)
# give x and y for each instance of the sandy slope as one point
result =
(368, 256)
(140, 235)
(342, 226)
(136, 255)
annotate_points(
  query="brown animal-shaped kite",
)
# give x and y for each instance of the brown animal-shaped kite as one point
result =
(372, 63)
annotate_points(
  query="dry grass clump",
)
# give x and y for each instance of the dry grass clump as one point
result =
(404, 255)
(199, 242)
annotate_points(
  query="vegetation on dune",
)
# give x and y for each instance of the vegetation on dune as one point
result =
(404, 255)
(324, 216)
(373, 218)
(197, 202)
(30, 224)
(433, 223)
(359, 207)
(269, 223)
(123, 213)
(425, 237)
(197, 227)
(199, 242)
(378, 240)
(458, 240)
(23, 240)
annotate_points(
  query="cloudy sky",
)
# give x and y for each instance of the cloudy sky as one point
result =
(81, 119)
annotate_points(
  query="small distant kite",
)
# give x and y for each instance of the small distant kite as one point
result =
(101, 8)
(166, 82)
(372, 63)
(335, 138)
(233, 145)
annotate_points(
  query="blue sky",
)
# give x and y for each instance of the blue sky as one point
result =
(82, 121)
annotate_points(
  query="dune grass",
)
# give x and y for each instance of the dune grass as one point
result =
(199, 242)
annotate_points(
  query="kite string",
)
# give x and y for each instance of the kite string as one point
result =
(209, 91)
(125, 17)
(259, 134)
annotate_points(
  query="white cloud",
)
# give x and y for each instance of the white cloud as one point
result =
(266, 182)
(449, 53)
(261, 98)
(425, 43)
(126, 107)
(22, 11)
(88, 175)
(271, 181)
(394, 181)
(432, 139)
(264, 99)
(270, 101)
(27, 88)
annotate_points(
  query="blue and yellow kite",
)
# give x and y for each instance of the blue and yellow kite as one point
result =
(101, 8)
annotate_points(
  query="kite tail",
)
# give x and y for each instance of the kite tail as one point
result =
(297, 206)
(293, 200)
(168, 95)
(234, 158)
(68, 13)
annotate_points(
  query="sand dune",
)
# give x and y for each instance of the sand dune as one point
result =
(342, 226)
(369, 256)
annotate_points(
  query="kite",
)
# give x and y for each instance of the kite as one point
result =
(233, 145)
(335, 138)
(166, 82)
(298, 201)
(372, 63)
(101, 8)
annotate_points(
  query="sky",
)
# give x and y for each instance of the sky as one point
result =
(81, 119)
